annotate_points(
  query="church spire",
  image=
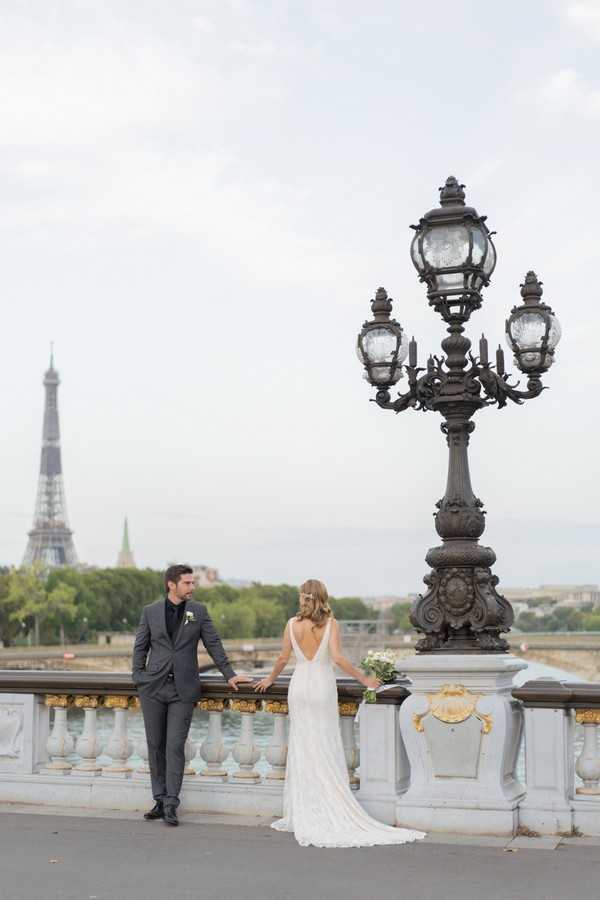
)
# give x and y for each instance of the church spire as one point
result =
(125, 559)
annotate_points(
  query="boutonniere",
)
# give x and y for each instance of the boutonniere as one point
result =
(189, 617)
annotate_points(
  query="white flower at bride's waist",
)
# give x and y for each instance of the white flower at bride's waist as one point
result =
(189, 616)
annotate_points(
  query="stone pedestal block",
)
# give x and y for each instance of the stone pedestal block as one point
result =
(462, 732)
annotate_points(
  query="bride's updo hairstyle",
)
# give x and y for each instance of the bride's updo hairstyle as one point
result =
(314, 602)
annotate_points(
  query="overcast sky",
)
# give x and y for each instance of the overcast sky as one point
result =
(198, 199)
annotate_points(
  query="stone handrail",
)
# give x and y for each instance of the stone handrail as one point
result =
(213, 686)
(547, 693)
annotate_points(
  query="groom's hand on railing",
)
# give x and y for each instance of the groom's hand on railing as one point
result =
(239, 679)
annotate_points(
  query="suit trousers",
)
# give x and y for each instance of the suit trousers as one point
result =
(167, 722)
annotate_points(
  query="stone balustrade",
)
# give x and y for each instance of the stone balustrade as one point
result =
(51, 752)
(554, 712)
(41, 761)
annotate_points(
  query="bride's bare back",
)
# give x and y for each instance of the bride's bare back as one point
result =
(308, 635)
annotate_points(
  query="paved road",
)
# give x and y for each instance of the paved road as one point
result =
(48, 857)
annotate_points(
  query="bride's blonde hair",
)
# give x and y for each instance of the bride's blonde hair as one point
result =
(314, 603)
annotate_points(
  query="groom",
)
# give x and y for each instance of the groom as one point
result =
(168, 683)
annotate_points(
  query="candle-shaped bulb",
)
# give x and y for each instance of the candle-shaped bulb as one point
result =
(430, 364)
(412, 353)
(500, 360)
(483, 351)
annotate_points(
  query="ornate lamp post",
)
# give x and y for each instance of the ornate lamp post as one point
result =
(453, 252)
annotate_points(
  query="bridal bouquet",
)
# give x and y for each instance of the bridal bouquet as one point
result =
(381, 664)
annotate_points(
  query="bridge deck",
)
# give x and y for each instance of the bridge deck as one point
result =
(51, 857)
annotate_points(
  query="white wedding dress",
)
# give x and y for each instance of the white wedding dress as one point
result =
(318, 805)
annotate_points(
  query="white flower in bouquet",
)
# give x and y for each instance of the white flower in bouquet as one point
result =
(381, 664)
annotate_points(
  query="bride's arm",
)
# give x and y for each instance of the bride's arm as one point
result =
(280, 663)
(335, 648)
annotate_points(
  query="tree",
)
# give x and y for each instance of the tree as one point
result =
(233, 620)
(591, 621)
(400, 614)
(269, 617)
(60, 605)
(27, 596)
(351, 608)
(9, 628)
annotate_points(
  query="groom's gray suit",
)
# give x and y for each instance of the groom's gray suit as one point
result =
(165, 671)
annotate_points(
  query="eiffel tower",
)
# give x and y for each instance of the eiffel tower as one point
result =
(50, 540)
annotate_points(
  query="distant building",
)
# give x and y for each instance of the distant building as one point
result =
(574, 596)
(382, 603)
(125, 559)
(206, 576)
(50, 540)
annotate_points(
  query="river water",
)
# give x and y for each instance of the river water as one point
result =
(263, 724)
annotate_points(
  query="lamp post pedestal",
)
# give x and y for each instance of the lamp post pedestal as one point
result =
(462, 732)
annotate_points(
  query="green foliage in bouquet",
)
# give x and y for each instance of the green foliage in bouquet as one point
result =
(381, 664)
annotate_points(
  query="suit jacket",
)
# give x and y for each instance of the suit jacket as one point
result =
(155, 654)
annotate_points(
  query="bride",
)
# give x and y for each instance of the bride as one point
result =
(318, 805)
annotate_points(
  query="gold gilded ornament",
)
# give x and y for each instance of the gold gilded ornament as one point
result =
(83, 701)
(212, 705)
(453, 704)
(244, 706)
(58, 700)
(587, 716)
(116, 701)
(348, 708)
(418, 720)
(277, 707)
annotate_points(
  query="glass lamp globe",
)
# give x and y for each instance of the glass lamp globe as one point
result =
(382, 344)
(533, 331)
(453, 253)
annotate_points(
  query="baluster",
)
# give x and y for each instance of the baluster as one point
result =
(348, 710)
(189, 752)
(278, 745)
(141, 745)
(60, 743)
(588, 764)
(245, 751)
(119, 746)
(212, 749)
(87, 744)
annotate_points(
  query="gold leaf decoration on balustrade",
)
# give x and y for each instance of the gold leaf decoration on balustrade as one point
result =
(135, 703)
(276, 707)
(452, 704)
(116, 701)
(487, 720)
(587, 716)
(244, 706)
(417, 720)
(210, 704)
(348, 708)
(61, 701)
(84, 701)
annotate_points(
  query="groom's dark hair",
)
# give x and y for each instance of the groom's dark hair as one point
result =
(174, 573)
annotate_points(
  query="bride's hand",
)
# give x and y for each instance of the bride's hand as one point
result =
(372, 683)
(264, 685)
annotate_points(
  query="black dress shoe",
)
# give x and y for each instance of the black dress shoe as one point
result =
(157, 811)
(170, 815)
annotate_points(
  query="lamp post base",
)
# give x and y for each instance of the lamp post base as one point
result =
(462, 732)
